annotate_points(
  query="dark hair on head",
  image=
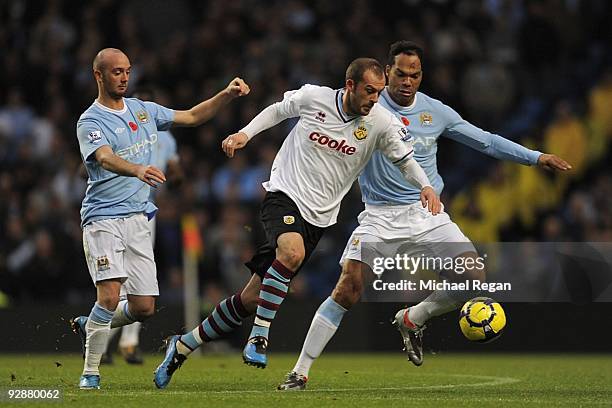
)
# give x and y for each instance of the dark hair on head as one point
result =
(358, 67)
(404, 47)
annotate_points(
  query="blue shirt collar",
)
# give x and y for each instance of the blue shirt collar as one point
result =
(399, 108)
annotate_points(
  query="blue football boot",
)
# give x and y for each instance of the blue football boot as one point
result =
(89, 382)
(254, 352)
(172, 361)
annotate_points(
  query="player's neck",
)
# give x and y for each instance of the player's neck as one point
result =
(112, 103)
(345, 105)
(407, 104)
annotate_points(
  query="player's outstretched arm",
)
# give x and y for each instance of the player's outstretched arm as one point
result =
(270, 116)
(552, 162)
(206, 110)
(111, 162)
(234, 142)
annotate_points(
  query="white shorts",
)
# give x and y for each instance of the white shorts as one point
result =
(392, 229)
(121, 248)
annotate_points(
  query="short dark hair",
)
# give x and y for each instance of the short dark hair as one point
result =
(404, 47)
(358, 67)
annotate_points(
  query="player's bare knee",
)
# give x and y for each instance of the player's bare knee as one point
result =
(109, 301)
(290, 250)
(108, 293)
(291, 256)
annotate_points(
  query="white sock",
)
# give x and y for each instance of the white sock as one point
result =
(98, 329)
(322, 329)
(436, 304)
(130, 335)
(320, 332)
(122, 315)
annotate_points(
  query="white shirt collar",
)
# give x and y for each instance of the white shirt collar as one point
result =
(115, 111)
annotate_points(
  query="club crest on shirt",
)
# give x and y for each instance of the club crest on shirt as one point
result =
(426, 119)
(102, 263)
(288, 219)
(355, 242)
(142, 116)
(361, 132)
(320, 116)
(94, 136)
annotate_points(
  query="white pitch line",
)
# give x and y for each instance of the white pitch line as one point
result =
(489, 380)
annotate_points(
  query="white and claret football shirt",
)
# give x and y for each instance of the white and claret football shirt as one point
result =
(132, 133)
(427, 119)
(327, 149)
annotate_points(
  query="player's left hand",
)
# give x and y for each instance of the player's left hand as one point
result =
(430, 199)
(234, 142)
(552, 162)
(237, 87)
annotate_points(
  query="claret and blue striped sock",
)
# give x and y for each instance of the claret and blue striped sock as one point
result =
(225, 318)
(274, 287)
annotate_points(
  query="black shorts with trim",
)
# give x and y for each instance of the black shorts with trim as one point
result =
(279, 214)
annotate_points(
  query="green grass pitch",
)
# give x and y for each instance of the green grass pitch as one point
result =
(337, 380)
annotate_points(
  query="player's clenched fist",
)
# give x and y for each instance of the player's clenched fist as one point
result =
(151, 175)
(237, 87)
(234, 142)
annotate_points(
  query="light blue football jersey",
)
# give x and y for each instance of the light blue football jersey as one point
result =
(132, 133)
(426, 120)
(166, 151)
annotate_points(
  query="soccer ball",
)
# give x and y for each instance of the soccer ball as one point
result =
(482, 320)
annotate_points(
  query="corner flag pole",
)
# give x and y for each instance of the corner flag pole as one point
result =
(192, 250)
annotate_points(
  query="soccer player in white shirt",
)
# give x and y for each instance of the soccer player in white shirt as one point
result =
(337, 133)
(393, 217)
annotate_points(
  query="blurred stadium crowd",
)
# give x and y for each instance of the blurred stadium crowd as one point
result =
(537, 72)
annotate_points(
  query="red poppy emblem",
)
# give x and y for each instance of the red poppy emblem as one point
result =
(405, 121)
(133, 126)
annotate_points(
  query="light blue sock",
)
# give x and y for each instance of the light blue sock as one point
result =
(332, 311)
(100, 315)
(324, 325)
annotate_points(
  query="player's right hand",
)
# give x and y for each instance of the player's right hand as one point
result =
(233, 143)
(430, 199)
(151, 175)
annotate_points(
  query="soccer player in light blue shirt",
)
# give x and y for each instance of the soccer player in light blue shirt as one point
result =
(385, 192)
(163, 156)
(117, 138)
